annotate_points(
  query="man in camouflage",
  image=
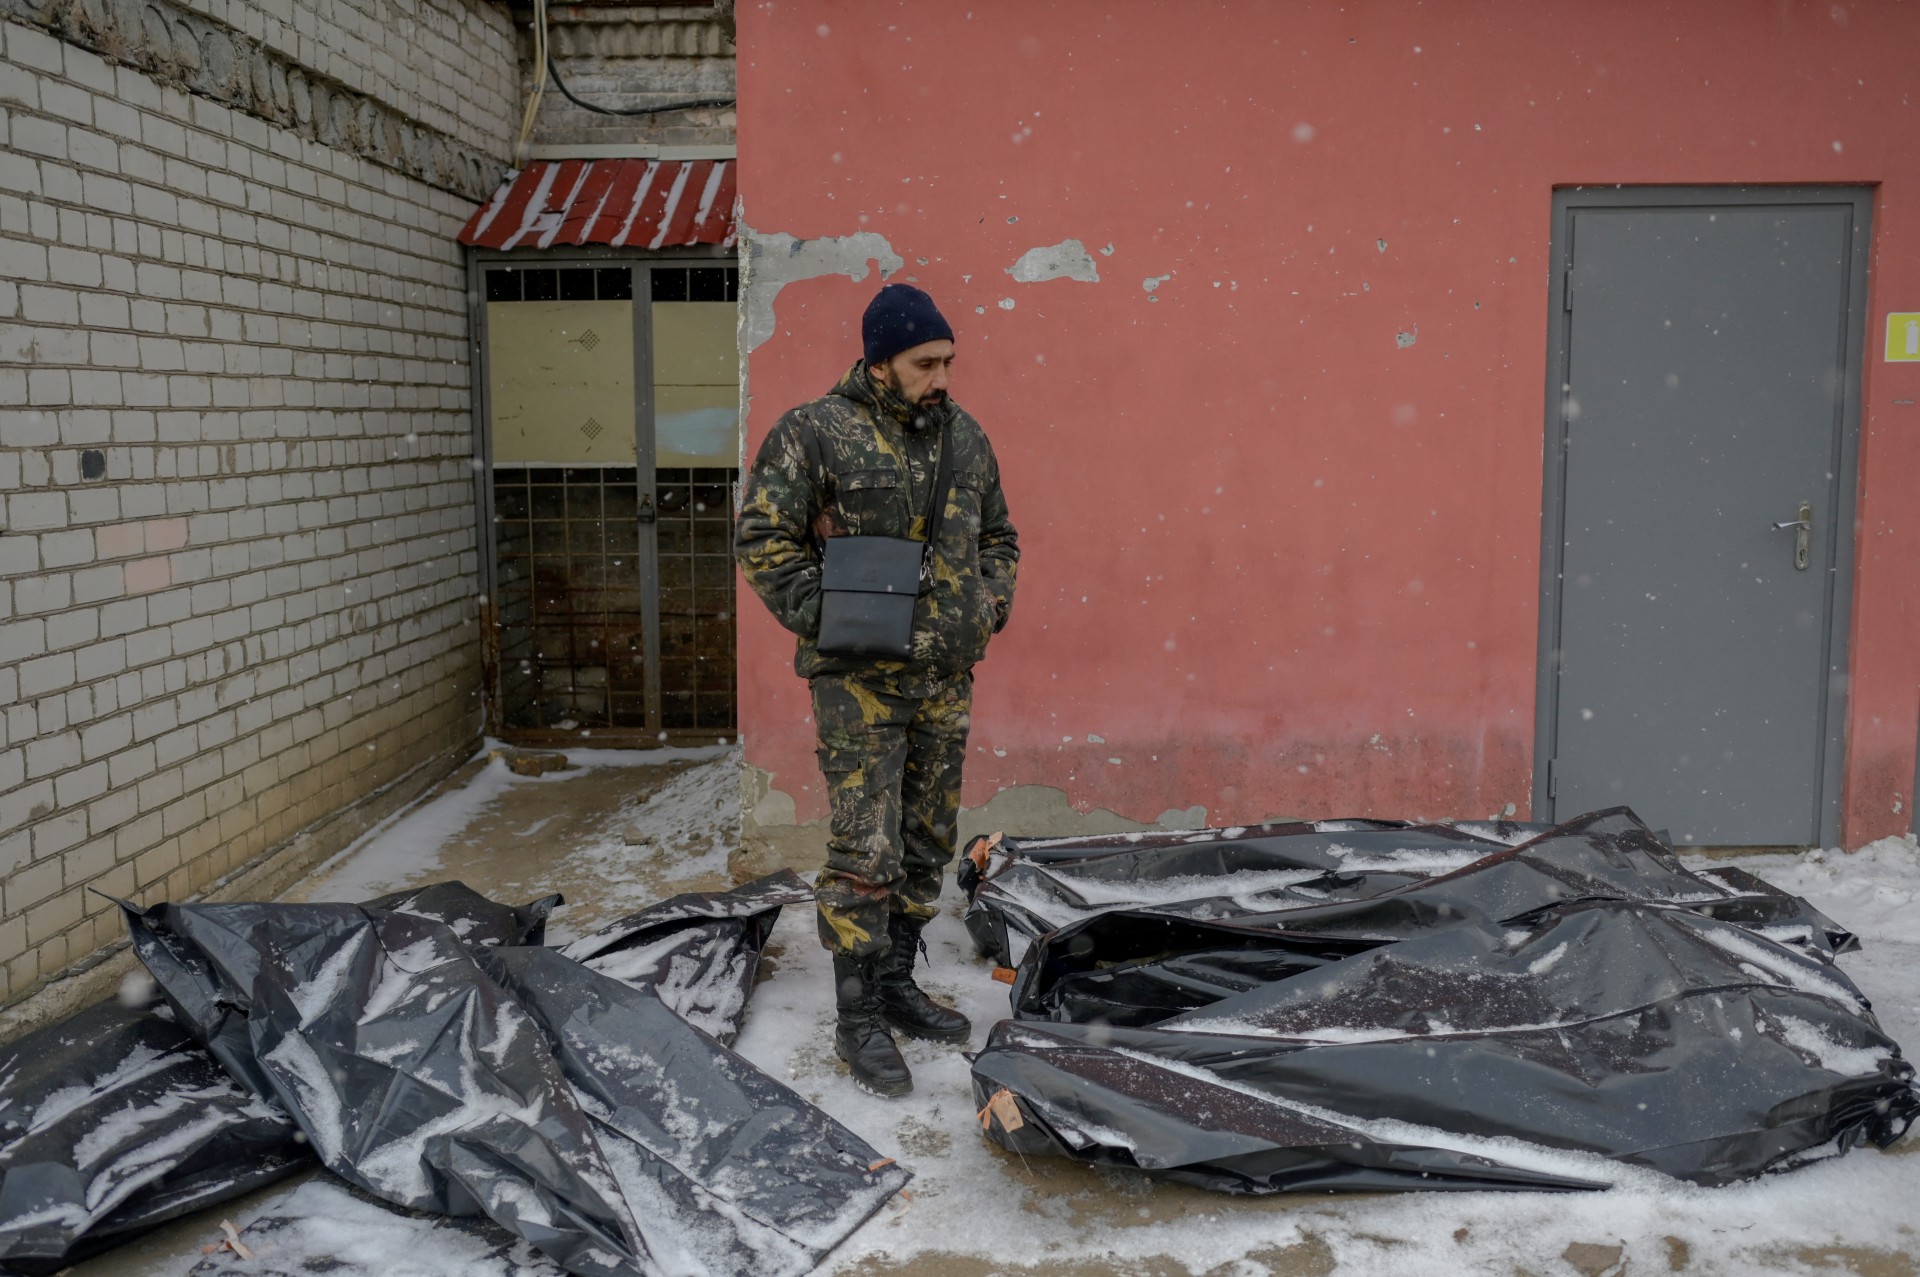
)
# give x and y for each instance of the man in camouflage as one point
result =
(892, 733)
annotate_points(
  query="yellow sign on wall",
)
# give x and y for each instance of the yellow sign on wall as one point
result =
(696, 385)
(560, 381)
(1903, 337)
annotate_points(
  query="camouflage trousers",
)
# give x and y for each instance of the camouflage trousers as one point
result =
(891, 749)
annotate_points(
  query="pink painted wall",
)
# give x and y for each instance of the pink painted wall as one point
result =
(1276, 562)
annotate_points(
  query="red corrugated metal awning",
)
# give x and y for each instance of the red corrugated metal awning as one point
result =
(627, 203)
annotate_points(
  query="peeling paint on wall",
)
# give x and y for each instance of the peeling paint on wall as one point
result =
(769, 262)
(1042, 811)
(1403, 340)
(1069, 259)
(760, 803)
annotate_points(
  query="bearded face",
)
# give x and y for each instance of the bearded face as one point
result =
(919, 374)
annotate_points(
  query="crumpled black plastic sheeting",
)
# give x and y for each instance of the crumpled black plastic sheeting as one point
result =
(474, 918)
(698, 951)
(116, 1121)
(1361, 1006)
(728, 1170)
(412, 1074)
(474, 1079)
(1366, 881)
(119, 1119)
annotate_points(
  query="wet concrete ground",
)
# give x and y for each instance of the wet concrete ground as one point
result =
(580, 831)
(596, 835)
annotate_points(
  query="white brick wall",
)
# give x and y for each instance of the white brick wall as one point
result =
(262, 608)
(446, 63)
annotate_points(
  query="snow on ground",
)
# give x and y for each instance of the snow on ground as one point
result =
(971, 1198)
(691, 821)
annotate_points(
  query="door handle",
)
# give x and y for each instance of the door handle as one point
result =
(1802, 535)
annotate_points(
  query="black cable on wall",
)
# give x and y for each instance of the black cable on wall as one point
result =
(553, 73)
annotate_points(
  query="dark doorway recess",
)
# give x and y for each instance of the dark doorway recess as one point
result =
(609, 395)
(1705, 350)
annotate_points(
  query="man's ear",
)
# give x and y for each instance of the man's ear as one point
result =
(882, 372)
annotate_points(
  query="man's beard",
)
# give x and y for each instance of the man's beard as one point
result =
(929, 400)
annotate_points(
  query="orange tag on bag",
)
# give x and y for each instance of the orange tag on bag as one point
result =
(885, 1161)
(981, 848)
(1004, 974)
(230, 1242)
(1003, 1107)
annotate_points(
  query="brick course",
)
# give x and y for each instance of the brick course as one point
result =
(262, 609)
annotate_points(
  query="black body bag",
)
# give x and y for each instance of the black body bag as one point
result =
(868, 584)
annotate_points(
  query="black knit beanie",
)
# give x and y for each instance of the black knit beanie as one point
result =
(899, 318)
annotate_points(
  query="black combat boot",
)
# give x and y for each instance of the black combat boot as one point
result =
(903, 1003)
(859, 1035)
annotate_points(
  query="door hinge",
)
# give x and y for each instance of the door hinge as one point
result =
(1553, 778)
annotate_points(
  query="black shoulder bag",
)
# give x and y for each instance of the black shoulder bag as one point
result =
(868, 584)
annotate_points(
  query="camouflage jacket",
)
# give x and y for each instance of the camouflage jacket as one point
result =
(876, 463)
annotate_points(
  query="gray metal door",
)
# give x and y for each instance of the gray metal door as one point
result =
(1693, 637)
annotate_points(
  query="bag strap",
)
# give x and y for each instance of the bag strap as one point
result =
(942, 485)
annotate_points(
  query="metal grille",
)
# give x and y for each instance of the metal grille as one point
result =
(572, 636)
(696, 598)
(570, 549)
(515, 282)
(696, 283)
